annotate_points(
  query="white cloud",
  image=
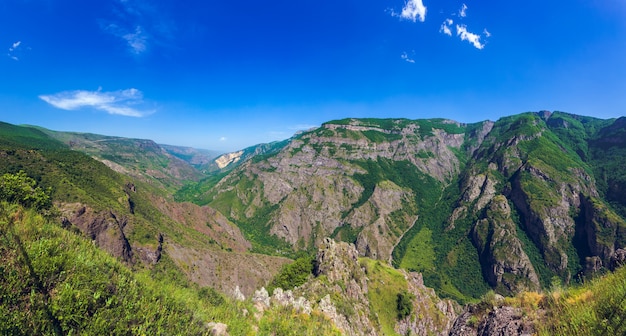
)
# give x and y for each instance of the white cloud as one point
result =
(136, 40)
(463, 11)
(222, 139)
(13, 49)
(413, 10)
(486, 32)
(474, 39)
(406, 57)
(15, 45)
(445, 27)
(123, 102)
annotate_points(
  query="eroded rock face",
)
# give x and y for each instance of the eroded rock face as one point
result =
(341, 291)
(104, 228)
(501, 251)
(501, 321)
(310, 184)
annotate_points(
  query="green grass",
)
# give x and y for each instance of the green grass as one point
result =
(420, 256)
(56, 282)
(385, 283)
(595, 308)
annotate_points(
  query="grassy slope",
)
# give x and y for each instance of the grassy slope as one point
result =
(596, 308)
(56, 282)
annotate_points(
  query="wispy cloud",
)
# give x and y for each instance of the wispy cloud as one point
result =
(486, 32)
(137, 40)
(406, 57)
(465, 35)
(140, 25)
(222, 139)
(445, 27)
(463, 11)
(123, 102)
(13, 49)
(413, 10)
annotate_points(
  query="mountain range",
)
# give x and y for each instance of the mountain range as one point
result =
(506, 207)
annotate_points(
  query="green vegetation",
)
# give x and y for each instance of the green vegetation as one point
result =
(21, 189)
(595, 308)
(56, 282)
(420, 255)
(404, 304)
(292, 275)
(381, 137)
(384, 287)
(198, 192)
(255, 228)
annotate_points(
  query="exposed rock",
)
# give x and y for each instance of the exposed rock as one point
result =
(217, 329)
(226, 159)
(286, 298)
(501, 321)
(310, 183)
(341, 290)
(104, 228)
(431, 316)
(262, 297)
(505, 321)
(148, 255)
(501, 251)
(605, 233)
(223, 270)
(238, 295)
(377, 239)
(619, 258)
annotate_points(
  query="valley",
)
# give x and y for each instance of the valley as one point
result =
(422, 227)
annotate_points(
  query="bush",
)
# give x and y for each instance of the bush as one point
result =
(404, 303)
(292, 275)
(21, 189)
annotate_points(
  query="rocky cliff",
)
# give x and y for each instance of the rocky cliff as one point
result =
(360, 296)
(514, 202)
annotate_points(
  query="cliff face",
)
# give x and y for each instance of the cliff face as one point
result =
(321, 184)
(353, 291)
(517, 200)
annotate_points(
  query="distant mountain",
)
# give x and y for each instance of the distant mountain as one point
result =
(506, 204)
(195, 157)
(139, 158)
(232, 160)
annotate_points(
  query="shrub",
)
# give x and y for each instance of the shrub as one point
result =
(292, 275)
(21, 189)
(404, 303)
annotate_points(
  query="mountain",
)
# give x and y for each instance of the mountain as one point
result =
(506, 204)
(118, 192)
(520, 207)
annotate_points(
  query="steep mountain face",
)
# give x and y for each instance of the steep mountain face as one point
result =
(322, 184)
(195, 157)
(508, 204)
(359, 296)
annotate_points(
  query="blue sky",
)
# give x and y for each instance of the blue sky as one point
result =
(227, 74)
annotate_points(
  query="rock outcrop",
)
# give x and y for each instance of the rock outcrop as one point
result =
(501, 321)
(104, 228)
(341, 290)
